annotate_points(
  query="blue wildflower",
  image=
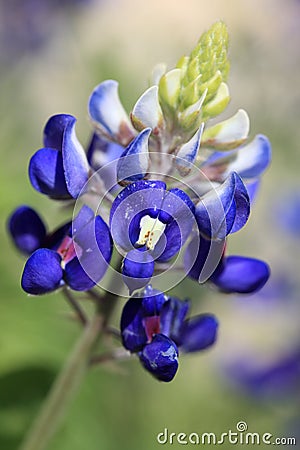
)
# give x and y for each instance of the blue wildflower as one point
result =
(155, 327)
(60, 169)
(223, 210)
(149, 224)
(75, 254)
(230, 274)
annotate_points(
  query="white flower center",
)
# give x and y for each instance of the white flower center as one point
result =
(151, 231)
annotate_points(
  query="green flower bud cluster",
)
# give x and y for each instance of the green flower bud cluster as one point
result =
(195, 90)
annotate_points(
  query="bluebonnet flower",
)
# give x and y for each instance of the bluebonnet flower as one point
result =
(60, 169)
(155, 327)
(166, 142)
(225, 182)
(230, 274)
(56, 259)
(150, 223)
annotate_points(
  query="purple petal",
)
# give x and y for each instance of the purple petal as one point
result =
(104, 155)
(101, 152)
(42, 272)
(75, 163)
(198, 333)
(187, 154)
(46, 173)
(242, 204)
(95, 244)
(153, 300)
(137, 270)
(27, 229)
(108, 113)
(147, 111)
(252, 159)
(223, 210)
(215, 212)
(54, 239)
(241, 274)
(82, 219)
(249, 161)
(134, 199)
(202, 257)
(132, 329)
(54, 130)
(77, 278)
(178, 211)
(172, 316)
(160, 358)
(134, 162)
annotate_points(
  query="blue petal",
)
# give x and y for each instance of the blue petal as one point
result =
(241, 274)
(101, 152)
(54, 130)
(147, 111)
(27, 229)
(249, 161)
(160, 358)
(187, 154)
(242, 204)
(94, 240)
(134, 162)
(77, 277)
(54, 239)
(132, 329)
(215, 212)
(223, 210)
(177, 210)
(108, 113)
(202, 257)
(42, 272)
(75, 163)
(198, 333)
(104, 155)
(153, 300)
(135, 198)
(46, 173)
(252, 159)
(172, 316)
(137, 270)
(82, 219)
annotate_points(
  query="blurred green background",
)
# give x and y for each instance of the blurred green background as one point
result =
(121, 406)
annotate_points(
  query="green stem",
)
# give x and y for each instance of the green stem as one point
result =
(63, 389)
(75, 305)
(71, 375)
